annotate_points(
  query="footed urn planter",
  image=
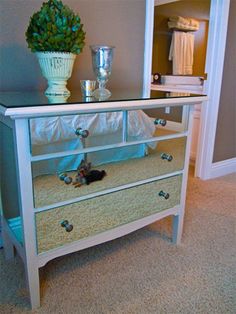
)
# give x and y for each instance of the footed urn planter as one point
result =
(57, 69)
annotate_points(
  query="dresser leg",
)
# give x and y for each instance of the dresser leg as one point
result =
(32, 276)
(7, 245)
(177, 227)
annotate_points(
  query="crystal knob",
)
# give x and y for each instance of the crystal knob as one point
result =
(82, 133)
(164, 194)
(63, 177)
(160, 122)
(65, 224)
(166, 156)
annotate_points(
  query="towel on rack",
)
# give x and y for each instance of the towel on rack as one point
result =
(184, 21)
(181, 53)
(183, 27)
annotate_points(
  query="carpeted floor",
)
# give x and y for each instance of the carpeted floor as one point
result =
(144, 272)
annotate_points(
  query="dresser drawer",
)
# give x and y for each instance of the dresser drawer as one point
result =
(106, 212)
(62, 133)
(49, 189)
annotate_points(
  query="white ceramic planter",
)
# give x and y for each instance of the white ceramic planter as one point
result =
(57, 69)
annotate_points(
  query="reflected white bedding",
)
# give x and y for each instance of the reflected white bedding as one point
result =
(61, 128)
(56, 134)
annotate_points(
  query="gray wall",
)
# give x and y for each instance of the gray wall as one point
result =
(116, 22)
(225, 141)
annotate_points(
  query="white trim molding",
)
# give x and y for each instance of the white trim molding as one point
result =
(217, 34)
(222, 168)
(148, 44)
(218, 25)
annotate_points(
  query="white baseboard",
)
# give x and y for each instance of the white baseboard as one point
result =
(222, 168)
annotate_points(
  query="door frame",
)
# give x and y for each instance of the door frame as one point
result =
(218, 23)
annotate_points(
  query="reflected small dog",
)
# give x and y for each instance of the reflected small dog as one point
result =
(86, 176)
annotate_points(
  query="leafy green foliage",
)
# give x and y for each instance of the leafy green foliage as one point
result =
(55, 28)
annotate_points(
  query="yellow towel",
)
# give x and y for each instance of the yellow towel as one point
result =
(183, 27)
(187, 21)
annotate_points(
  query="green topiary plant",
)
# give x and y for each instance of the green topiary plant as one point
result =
(55, 28)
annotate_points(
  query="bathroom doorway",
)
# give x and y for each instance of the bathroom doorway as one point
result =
(214, 60)
(199, 12)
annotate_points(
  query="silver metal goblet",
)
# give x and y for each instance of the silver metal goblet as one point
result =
(102, 57)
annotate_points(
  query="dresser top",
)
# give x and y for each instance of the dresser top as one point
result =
(24, 104)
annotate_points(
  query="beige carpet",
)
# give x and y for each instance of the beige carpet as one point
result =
(143, 272)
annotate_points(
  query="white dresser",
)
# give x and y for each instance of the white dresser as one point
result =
(46, 216)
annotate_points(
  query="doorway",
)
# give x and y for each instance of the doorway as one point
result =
(218, 22)
(198, 11)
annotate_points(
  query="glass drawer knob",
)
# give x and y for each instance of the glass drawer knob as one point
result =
(64, 177)
(164, 194)
(82, 133)
(160, 122)
(166, 156)
(65, 224)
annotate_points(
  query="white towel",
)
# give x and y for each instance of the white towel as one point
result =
(181, 53)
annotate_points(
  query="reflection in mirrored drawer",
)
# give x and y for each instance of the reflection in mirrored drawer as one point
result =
(70, 223)
(60, 133)
(121, 165)
(141, 126)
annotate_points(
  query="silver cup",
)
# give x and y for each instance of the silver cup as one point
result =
(87, 87)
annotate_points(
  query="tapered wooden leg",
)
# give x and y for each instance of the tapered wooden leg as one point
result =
(177, 228)
(32, 276)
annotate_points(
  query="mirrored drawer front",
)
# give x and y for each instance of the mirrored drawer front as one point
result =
(163, 116)
(60, 133)
(147, 123)
(70, 223)
(143, 162)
